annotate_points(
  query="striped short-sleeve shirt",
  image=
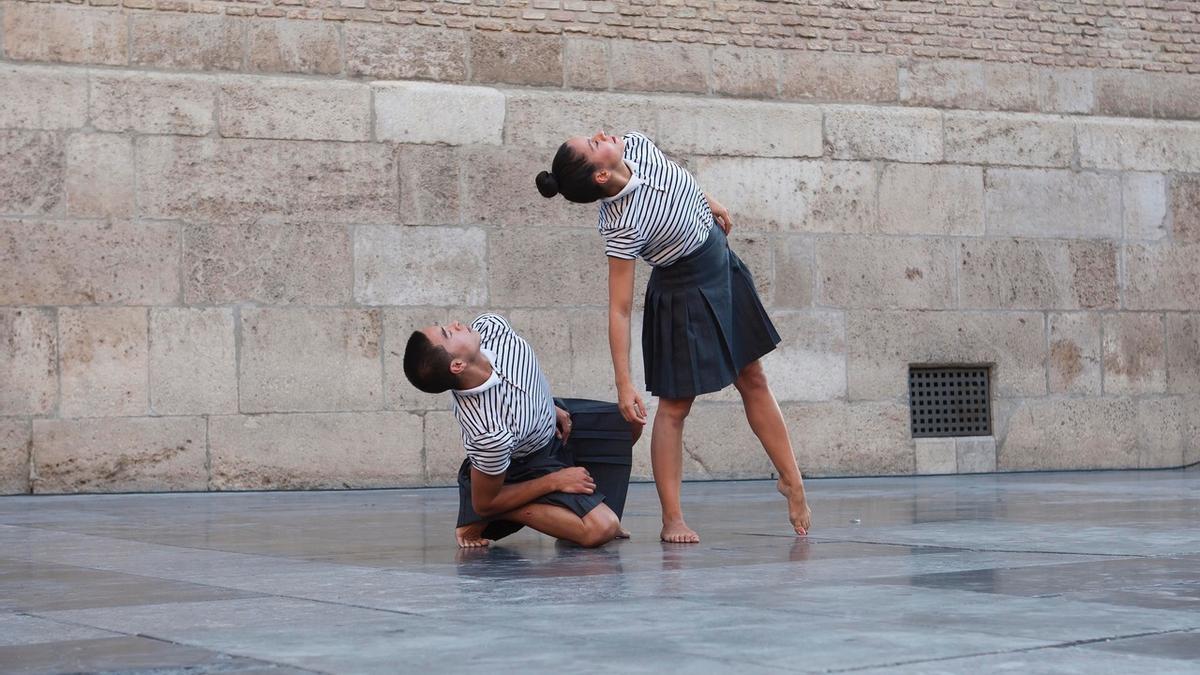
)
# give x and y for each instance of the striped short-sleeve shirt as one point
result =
(661, 215)
(512, 414)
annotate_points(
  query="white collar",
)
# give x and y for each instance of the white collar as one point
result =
(492, 380)
(634, 183)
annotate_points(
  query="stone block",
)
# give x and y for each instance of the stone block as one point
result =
(935, 455)
(499, 189)
(1009, 139)
(424, 112)
(658, 66)
(745, 73)
(398, 325)
(547, 119)
(855, 272)
(975, 454)
(42, 98)
(103, 361)
(1162, 277)
(882, 344)
(62, 34)
(521, 274)
(1144, 202)
(942, 83)
(32, 168)
(1071, 433)
(851, 439)
(900, 134)
(193, 361)
(1063, 90)
(1124, 93)
(294, 263)
(835, 77)
(402, 53)
(1139, 145)
(99, 181)
(29, 361)
(933, 199)
(802, 196)
(1183, 353)
(793, 272)
(124, 454)
(718, 444)
(259, 107)
(1177, 96)
(585, 63)
(14, 456)
(315, 451)
(1010, 86)
(310, 360)
(400, 265)
(517, 58)
(1075, 354)
(76, 263)
(1185, 207)
(548, 332)
(1052, 203)
(311, 47)
(592, 373)
(810, 363)
(443, 450)
(1168, 431)
(745, 128)
(153, 103)
(1038, 274)
(239, 181)
(1134, 354)
(756, 250)
(430, 182)
(187, 41)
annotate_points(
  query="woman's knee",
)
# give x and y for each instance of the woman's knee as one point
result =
(676, 409)
(752, 378)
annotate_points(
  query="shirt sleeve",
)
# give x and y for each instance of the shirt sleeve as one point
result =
(489, 451)
(490, 325)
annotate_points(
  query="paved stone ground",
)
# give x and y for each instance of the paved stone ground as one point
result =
(1062, 573)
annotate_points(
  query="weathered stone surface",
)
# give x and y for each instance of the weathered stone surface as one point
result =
(29, 361)
(718, 442)
(103, 361)
(401, 53)
(810, 363)
(293, 47)
(14, 456)
(443, 450)
(517, 58)
(239, 181)
(585, 63)
(1020, 140)
(38, 32)
(975, 454)
(1162, 277)
(310, 360)
(883, 273)
(1062, 90)
(1124, 93)
(1183, 353)
(745, 128)
(430, 181)
(153, 103)
(900, 134)
(339, 450)
(793, 272)
(1038, 274)
(591, 359)
(1139, 145)
(1177, 96)
(99, 179)
(32, 167)
(1185, 208)
(548, 331)
(834, 77)
(1134, 354)
(187, 41)
(793, 195)
(193, 361)
(271, 264)
(545, 120)
(935, 455)
(138, 454)
(882, 344)
(1071, 433)
(1168, 431)
(1052, 203)
(42, 98)
(1144, 197)
(71, 263)
(400, 265)
(745, 73)
(1075, 354)
(258, 107)
(942, 83)
(424, 112)
(650, 66)
(851, 439)
(1010, 86)
(934, 199)
(521, 274)
(499, 189)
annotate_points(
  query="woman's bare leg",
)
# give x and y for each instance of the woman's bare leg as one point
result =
(666, 458)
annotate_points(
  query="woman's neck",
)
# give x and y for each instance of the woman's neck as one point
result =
(620, 178)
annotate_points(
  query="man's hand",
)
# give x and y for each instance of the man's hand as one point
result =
(574, 480)
(563, 423)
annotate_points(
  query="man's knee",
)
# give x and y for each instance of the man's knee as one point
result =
(601, 527)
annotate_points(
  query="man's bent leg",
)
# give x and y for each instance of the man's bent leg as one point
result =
(597, 528)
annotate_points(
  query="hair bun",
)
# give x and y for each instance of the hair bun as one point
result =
(546, 184)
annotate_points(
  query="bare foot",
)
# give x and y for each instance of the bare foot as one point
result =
(623, 534)
(677, 532)
(471, 536)
(798, 511)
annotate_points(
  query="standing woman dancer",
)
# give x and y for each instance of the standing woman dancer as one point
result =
(703, 326)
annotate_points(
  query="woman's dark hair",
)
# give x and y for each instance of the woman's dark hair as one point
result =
(572, 175)
(428, 366)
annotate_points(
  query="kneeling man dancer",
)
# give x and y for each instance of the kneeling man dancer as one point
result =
(522, 466)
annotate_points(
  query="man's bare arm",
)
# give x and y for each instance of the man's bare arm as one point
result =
(491, 497)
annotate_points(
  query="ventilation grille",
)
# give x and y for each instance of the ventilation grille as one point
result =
(950, 401)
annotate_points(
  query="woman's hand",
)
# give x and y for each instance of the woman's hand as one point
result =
(629, 401)
(720, 213)
(563, 424)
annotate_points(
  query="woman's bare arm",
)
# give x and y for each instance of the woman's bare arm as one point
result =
(620, 306)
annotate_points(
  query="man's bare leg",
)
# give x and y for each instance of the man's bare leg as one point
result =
(597, 528)
(666, 459)
(471, 535)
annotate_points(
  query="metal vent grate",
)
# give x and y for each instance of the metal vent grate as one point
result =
(950, 401)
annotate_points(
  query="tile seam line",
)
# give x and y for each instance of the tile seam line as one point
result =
(1123, 556)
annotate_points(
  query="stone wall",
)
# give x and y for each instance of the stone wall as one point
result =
(206, 277)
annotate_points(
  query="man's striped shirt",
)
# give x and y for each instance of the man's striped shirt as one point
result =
(512, 414)
(661, 216)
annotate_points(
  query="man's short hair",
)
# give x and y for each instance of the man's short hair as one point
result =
(428, 366)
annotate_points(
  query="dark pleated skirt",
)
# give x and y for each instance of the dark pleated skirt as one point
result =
(703, 322)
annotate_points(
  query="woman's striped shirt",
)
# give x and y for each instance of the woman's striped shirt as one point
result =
(512, 414)
(661, 216)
